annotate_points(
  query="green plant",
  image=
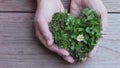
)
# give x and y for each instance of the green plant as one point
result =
(77, 35)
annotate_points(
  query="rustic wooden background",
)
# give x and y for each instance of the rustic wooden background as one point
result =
(20, 49)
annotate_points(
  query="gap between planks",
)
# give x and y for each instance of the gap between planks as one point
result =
(34, 12)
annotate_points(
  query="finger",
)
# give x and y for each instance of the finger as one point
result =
(45, 32)
(75, 8)
(61, 8)
(59, 51)
(69, 59)
(62, 52)
(103, 16)
(104, 20)
(93, 52)
(100, 9)
(40, 37)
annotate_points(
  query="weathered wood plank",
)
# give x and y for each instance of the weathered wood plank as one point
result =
(112, 5)
(20, 49)
(30, 5)
(23, 5)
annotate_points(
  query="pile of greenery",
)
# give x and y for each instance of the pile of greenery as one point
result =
(77, 35)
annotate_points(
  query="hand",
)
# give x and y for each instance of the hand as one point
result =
(97, 5)
(43, 16)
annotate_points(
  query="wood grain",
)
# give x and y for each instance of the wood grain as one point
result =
(30, 5)
(20, 49)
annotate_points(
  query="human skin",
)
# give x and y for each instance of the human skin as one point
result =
(43, 16)
(78, 5)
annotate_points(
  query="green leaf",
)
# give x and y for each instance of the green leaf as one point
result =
(66, 28)
(72, 47)
(65, 11)
(91, 17)
(87, 12)
(80, 29)
(88, 29)
(73, 36)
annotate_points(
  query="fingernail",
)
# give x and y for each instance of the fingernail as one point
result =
(64, 52)
(69, 59)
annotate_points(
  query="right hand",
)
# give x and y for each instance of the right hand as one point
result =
(45, 11)
(78, 5)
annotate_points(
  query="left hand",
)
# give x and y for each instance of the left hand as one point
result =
(97, 5)
(43, 16)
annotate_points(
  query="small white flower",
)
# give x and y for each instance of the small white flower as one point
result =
(80, 38)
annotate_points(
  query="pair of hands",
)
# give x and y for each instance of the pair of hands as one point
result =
(45, 11)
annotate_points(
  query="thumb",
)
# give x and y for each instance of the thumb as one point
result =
(103, 17)
(104, 20)
(44, 29)
(61, 8)
(75, 9)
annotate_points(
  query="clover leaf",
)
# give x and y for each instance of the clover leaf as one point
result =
(77, 35)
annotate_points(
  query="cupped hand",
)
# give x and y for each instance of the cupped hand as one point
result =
(43, 16)
(78, 5)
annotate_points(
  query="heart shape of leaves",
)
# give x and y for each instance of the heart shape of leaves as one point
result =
(77, 35)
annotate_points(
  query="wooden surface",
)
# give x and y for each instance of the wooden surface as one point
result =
(20, 49)
(30, 5)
